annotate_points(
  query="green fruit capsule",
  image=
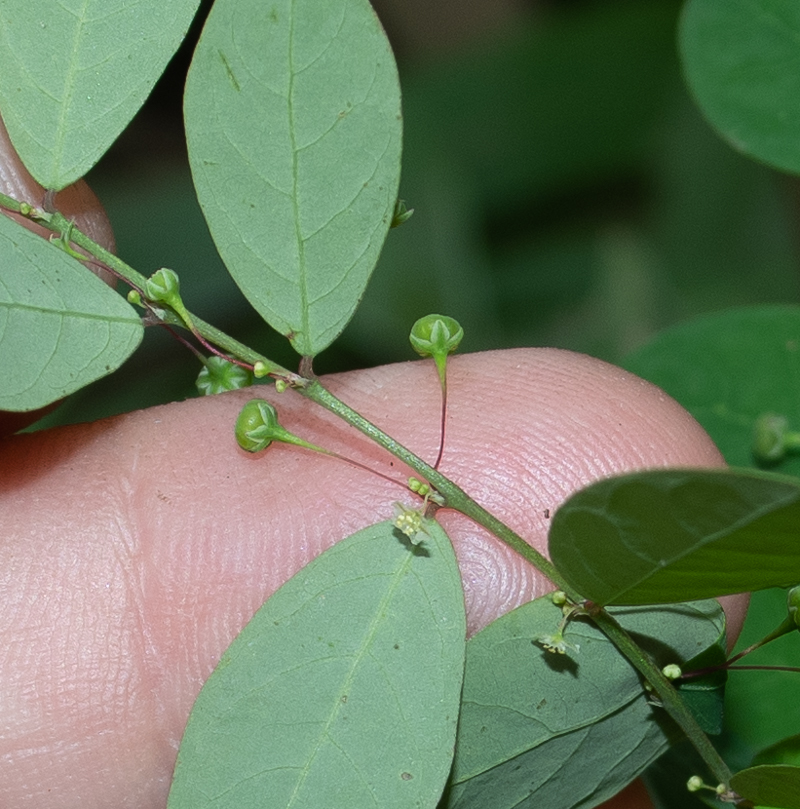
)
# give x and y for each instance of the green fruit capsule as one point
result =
(219, 375)
(436, 335)
(163, 286)
(256, 425)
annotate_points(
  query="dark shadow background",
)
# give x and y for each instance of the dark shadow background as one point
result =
(566, 192)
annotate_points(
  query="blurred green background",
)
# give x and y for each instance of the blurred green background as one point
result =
(566, 190)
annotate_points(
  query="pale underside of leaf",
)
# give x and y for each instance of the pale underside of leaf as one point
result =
(73, 73)
(294, 134)
(541, 729)
(61, 327)
(342, 691)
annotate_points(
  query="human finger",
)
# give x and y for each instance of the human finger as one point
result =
(139, 546)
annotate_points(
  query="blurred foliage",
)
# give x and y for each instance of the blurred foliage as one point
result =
(566, 193)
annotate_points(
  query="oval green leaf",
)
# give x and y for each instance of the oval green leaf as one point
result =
(742, 64)
(538, 729)
(294, 130)
(74, 72)
(774, 785)
(61, 327)
(343, 690)
(677, 534)
(727, 369)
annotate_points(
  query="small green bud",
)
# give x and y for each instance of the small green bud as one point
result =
(695, 783)
(435, 335)
(163, 286)
(135, 298)
(793, 604)
(256, 425)
(281, 385)
(219, 375)
(772, 439)
(401, 214)
(559, 598)
(260, 369)
(721, 789)
(25, 208)
(672, 672)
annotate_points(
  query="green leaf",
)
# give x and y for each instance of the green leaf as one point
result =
(705, 695)
(74, 72)
(539, 729)
(677, 534)
(742, 65)
(775, 785)
(786, 751)
(294, 130)
(727, 369)
(343, 690)
(61, 327)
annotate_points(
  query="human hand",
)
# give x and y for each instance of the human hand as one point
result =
(134, 549)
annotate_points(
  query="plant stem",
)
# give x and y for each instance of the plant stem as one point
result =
(59, 224)
(455, 497)
(458, 499)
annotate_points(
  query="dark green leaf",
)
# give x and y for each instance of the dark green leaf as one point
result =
(671, 535)
(61, 327)
(773, 785)
(786, 751)
(727, 369)
(742, 64)
(541, 729)
(705, 695)
(761, 707)
(343, 690)
(294, 131)
(74, 72)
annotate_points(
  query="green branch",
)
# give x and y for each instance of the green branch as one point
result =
(455, 497)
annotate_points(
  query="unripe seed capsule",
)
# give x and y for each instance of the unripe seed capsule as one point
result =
(255, 425)
(163, 286)
(435, 335)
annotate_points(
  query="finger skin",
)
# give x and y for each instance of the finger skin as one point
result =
(134, 549)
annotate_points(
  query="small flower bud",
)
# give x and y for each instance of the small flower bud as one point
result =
(559, 598)
(672, 672)
(260, 369)
(134, 297)
(401, 214)
(695, 783)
